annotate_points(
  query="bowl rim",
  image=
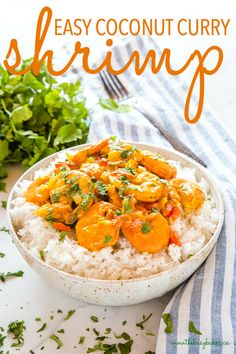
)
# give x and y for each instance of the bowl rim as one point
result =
(169, 271)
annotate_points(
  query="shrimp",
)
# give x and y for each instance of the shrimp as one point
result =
(38, 191)
(99, 227)
(146, 232)
(191, 196)
(82, 154)
(145, 186)
(55, 212)
(158, 165)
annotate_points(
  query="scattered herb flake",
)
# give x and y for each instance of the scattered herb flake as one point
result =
(124, 336)
(41, 329)
(2, 255)
(146, 227)
(127, 206)
(150, 334)
(5, 229)
(31, 352)
(107, 330)
(81, 340)
(69, 314)
(118, 212)
(38, 319)
(17, 328)
(4, 204)
(62, 236)
(168, 321)
(145, 319)
(59, 311)
(61, 330)
(131, 170)
(193, 329)
(57, 340)
(4, 276)
(95, 331)
(105, 348)
(2, 186)
(2, 338)
(125, 348)
(124, 323)
(107, 239)
(42, 256)
(51, 317)
(94, 318)
(149, 352)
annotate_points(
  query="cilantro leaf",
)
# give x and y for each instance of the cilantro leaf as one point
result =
(193, 329)
(57, 340)
(168, 321)
(112, 105)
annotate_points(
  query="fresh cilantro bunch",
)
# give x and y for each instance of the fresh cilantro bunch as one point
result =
(38, 116)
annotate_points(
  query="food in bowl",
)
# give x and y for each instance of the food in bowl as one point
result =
(112, 211)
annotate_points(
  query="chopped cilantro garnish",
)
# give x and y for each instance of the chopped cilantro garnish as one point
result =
(2, 338)
(61, 330)
(81, 340)
(118, 212)
(2, 186)
(16, 328)
(146, 227)
(69, 314)
(62, 236)
(55, 197)
(107, 239)
(121, 191)
(85, 201)
(42, 328)
(124, 154)
(150, 334)
(131, 170)
(113, 138)
(94, 318)
(57, 340)
(59, 311)
(51, 317)
(168, 321)
(2, 255)
(102, 190)
(124, 323)
(107, 330)
(4, 204)
(3, 276)
(5, 229)
(149, 352)
(75, 187)
(96, 332)
(125, 348)
(127, 206)
(145, 319)
(123, 335)
(105, 348)
(124, 179)
(41, 253)
(193, 329)
(31, 352)
(155, 210)
(38, 319)
(190, 255)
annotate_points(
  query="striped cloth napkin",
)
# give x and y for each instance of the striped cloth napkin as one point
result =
(208, 299)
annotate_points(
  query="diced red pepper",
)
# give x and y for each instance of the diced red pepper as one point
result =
(174, 238)
(68, 166)
(175, 214)
(61, 227)
(167, 210)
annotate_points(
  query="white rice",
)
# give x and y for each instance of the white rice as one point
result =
(126, 262)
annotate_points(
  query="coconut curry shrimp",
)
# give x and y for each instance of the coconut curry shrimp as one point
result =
(112, 190)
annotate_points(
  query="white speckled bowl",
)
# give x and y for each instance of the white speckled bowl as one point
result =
(122, 292)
